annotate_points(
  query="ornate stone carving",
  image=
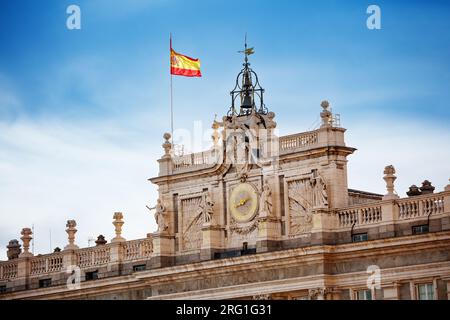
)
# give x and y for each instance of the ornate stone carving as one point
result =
(326, 114)
(71, 230)
(304, 195)
(319, 293)
(160, 216)
(244, 228)
(413, 191)
(215, 135)
(100, 240)
(426, 187)
(245, 135)
(167, 145)
(389, 177)
(265, 201)
(320, 196)
(206, 208)
(191, 223)
(118, 223)
(14, 249)
(266, 296)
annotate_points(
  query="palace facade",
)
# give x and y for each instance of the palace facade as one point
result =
(256, 217)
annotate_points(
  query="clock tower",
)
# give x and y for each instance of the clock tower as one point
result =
(252, 191)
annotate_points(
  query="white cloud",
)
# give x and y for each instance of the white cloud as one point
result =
(53, 171)
(418, 151)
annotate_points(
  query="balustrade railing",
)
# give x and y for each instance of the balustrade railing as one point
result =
(407, 208)
(94, 256)
(420, 206)
(46, 264)
(193, 160)
(134, 250)
(298, 140)
(8, 270)
(138, 249)
(362, 215)
(286, 144)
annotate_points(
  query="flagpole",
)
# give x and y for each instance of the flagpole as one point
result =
(171, 93)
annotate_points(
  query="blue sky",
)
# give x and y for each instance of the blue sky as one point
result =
(82, 112)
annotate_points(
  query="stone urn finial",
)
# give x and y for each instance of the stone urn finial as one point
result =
(118, 223)
(215, 135)
(14, 249)
(427, 187)
(389, 177)
(71, 230)
(326, 114)
(413, 191)
(100, 240)
(26, 238)
(167, 145)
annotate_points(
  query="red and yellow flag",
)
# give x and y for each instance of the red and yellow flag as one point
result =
(182, 65)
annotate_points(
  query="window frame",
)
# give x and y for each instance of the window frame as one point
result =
(426, 284)
(365, 234)
(414, 287)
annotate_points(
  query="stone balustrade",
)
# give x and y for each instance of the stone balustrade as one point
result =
(8, 270)
(138, 249)
(389, 211)
(298, 141)
(135, 250)
(46, 264)
(420, 206)
(95, 256)
(360, 215)
(200, 160)
(193, 161)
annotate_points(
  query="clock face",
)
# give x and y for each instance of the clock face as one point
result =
(243, 202)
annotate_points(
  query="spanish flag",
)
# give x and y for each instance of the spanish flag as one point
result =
(182, 65)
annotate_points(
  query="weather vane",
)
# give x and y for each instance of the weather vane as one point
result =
(247, 51)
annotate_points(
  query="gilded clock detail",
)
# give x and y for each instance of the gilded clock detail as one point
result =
(243, 202)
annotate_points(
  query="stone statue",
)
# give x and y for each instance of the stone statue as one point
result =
(160, 215)
(206, 208)
(242, 150)
(14, 249)
(265, 201)
(320, 196)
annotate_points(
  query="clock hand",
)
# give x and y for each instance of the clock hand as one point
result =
(242, 202)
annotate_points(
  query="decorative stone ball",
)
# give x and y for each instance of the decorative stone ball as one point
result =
(325, 104)
(167, 136)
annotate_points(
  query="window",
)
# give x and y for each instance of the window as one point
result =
(420, 229)
(2, 289)
(360, 237)
(140, 267)
(364, 295)
(45, 283)
(425, 291)
(92, 275)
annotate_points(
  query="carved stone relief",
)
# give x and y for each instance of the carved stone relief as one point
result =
(206, 208)
(305, 194)
(192, 223)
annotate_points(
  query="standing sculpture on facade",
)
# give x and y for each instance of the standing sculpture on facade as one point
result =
(320, 196)
(206, 208)
(160, 215)
(265, 201)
